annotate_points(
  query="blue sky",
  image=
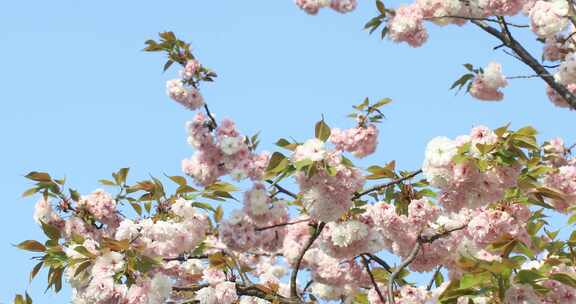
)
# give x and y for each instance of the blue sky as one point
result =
(80, 99)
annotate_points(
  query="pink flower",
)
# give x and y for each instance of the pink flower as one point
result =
(557, 99)
(343, 6)
(192, 66)
(189, 98)
(487, 83)
(406, 26)
(360, 141)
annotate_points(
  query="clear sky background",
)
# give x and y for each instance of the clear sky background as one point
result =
(80, 99)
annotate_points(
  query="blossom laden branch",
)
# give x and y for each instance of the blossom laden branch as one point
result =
(294, 275)
(372, 280)
(412, 256)
(282, 189)
(281, 225)
(383, 186)
(528, 59)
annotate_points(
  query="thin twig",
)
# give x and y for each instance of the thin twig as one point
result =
(382, 186)
(523, 55)
(212, 120)
(367, 266)
(412, 256)
(247, 290)
(282, 189)
(282, 225)
(524, 76)
(429, 287)
(186, 258)
(294, 274)
(477, 19)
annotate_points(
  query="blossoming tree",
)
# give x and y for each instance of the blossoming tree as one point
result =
(314, 227)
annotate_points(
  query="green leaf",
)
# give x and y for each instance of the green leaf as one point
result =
(120, 176)
(528, 276)
(527, 131)
(380, 275)
(35, 271)
(179, 180)
(461, 82)
(50, 231)
(564, 278)
(299, 165)
(470, 280)
(39, 176)
(82, 250)
(32, 245)
(201, 205)
(74, 195)
(137, 208)
(277, 163)
(106, 182)
(380, 172)
(322, 130)
(380, 6)
(30, 191)
(82, 267)
(360, 298)
(19, 299)
(381, 102)
(284, 143)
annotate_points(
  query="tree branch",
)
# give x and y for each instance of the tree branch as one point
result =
(477, 19)
(186, 258)
(244, 290)
(382, 186)
(294, 274)
(429, 287)
(214, 125)
(282, 189)
(281, 225)
(529, 60)
(367, 266)
(412, 256)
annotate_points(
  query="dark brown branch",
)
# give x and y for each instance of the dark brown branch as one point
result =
(243, 290)
(186, 258)
(429, 287)
(213, 125)
(281, 225)
(282, 189)
(412, 256)
(382, 186)
(529, 60)
(380, 261)
(477, 19)
(409, 259)
(367, 266)
(294, 274)
(523, 76)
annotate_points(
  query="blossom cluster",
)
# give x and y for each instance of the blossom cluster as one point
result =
(326, 196)
(463, 184)
(181, 91)
(487, 83)
(360, 141)
(313, 6)
(226, 152)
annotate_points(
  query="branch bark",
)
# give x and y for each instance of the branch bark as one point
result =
(382, 186)
(282, 189)
(281, 225)
(367, 266)
(294, 274)
(507, 39)
(412, 256)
